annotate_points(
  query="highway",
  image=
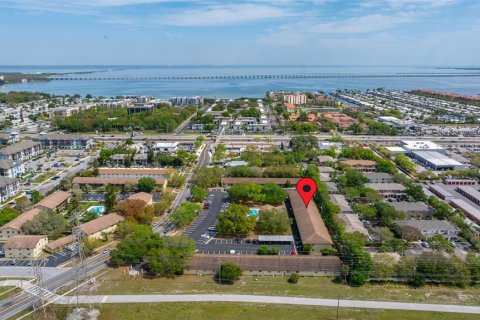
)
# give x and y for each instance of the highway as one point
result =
(228, 139)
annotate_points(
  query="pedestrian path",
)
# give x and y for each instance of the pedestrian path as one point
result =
(236, 298)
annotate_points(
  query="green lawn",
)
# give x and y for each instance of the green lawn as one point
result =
(116, 282)
(241, 311)
(6, 292)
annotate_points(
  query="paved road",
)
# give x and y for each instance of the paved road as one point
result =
(272, 300)
(18, 303)
(285, 138)
(27, 272)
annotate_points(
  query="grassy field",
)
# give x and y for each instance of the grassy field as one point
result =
(6, 292)
(116, 282)
(240, 311)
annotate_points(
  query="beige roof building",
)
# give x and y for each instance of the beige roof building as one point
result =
(59, 243)
(132, 172)
(361, 165)
(145, 197)
(279, 181)
(97, 181)
(254, 264)
(55, 200)
(14, 227)
(99, 226)
(24, 247)
(310, 225)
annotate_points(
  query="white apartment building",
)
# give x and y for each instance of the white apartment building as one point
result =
(296, 98)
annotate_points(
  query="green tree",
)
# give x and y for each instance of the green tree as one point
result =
(36, 196)
(160, 255)
(273, 194)
(293, 278)
(303, 143)
(21, 203)
(387, 214)
(405, 163)
(220, 152)
(273, 222)
(164, 203)
(364, 210)
(51, 224)
(7, 214)
(472, 262)
(111, 193)
(198, 194)
(207, 177)
(384, 266)
(146, 184)
(177, 179)
(235, 220)
(267, 251)
(439, 243)
(185, 214)
(384, 165)
(229, 273)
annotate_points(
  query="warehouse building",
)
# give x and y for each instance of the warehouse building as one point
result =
(436, 160)
(470, 211)
(416, 145)
(460, 182)
(469, 193)
(441, 192)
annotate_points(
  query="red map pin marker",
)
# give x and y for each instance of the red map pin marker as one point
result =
(306, 188)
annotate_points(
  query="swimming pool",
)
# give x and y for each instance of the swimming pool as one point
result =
(99, 210)
(253, 212)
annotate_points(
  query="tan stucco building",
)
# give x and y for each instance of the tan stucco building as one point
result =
(24, 247)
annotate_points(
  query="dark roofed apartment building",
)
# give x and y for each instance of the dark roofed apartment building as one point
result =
(21, 151)
(64, 141)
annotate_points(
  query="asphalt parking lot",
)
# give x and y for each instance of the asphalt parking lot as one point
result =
(50, 261)
(208, 218)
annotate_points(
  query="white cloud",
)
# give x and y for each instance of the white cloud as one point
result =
(362, 24)
(224, 15)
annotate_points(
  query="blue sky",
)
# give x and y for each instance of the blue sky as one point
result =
(323, 32)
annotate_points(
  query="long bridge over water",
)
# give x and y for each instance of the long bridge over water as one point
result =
(277, 76)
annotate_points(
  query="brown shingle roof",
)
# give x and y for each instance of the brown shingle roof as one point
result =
(359, 162)
(266, 263)
(21, 219)
(280, 181)
(131, 171)
(145, 197)
(23, 242)
(117, 181)
(100, 224)
(63, 241)
(54, 200)
(309, 222)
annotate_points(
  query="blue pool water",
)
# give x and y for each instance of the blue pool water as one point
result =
(99, 210)
(253, 212)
